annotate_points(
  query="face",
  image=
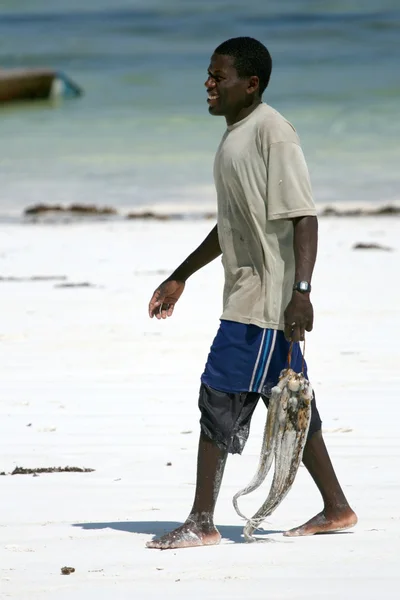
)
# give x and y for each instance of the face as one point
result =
(227, 93)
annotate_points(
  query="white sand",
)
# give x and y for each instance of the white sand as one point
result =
(89, 380)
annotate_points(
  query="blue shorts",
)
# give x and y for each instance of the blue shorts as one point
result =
(246, 358)
(243, 365)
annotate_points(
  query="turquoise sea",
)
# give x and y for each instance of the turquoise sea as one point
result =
(142, 136)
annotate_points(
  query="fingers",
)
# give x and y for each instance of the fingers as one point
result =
(160, 310)
(155, 304)
(164, 311)
(158, 307)
(288, 332)
(295, 332)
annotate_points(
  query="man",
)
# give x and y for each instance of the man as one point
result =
(267, 234)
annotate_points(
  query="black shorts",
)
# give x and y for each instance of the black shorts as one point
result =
(225, 416)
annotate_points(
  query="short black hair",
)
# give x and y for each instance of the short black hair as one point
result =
(251, 58)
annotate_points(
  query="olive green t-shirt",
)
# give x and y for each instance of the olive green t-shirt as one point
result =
(262, 182)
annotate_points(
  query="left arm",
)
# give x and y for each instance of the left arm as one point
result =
(299, 314)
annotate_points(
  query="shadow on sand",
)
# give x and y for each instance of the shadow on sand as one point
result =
(233, 533)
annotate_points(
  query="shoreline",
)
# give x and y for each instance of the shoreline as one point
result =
(86, 213)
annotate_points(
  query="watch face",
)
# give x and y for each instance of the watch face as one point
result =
(302, 286)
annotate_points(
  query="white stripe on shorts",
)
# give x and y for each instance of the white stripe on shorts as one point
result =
(268, 362)
(258, 359)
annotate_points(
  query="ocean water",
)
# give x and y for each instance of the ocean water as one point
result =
(141, 135)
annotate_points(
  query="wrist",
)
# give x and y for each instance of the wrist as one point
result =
(180, 274)
(177, 277)
(301, 295)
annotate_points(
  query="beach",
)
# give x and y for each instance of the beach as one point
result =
(103, 398)
(89, 381)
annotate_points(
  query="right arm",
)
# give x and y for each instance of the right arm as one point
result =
(168, 293)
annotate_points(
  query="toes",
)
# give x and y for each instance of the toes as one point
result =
(295, 533)
(157, 545)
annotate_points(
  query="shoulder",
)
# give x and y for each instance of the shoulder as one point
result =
(274, 128)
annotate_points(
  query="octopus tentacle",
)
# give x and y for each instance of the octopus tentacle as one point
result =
(269, 441)
(285, 436)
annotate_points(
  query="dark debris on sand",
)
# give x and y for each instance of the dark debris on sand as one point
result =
(83, 284)
(153, 216)
(77, 209)
(371, 246)
(39, 278)
(61, 213)
(62, 281)
(23, 471)
(67, 570)
(387, 210)
(56, 213)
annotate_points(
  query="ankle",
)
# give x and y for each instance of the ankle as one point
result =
(201, 519)
(337, 508)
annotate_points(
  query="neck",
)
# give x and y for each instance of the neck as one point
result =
(243, 112)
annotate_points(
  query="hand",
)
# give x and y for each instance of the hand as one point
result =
(299, 317)
(165, 297)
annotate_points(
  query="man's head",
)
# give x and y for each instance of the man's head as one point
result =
(239, 72)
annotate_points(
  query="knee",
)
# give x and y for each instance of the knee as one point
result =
(315, 423)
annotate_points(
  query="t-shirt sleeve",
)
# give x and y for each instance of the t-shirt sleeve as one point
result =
(289, 192)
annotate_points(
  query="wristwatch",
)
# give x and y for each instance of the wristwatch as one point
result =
(302, 286)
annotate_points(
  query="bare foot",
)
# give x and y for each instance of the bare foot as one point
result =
(186, 536)
(325, 523)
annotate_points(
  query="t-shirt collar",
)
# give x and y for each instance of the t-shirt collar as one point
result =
(243, 121)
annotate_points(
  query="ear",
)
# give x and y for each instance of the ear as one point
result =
(254, 84)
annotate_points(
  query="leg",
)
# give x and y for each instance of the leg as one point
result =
(337, 514)
(225, 421)
(199, 528)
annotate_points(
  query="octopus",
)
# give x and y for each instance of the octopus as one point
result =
(285, 435)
